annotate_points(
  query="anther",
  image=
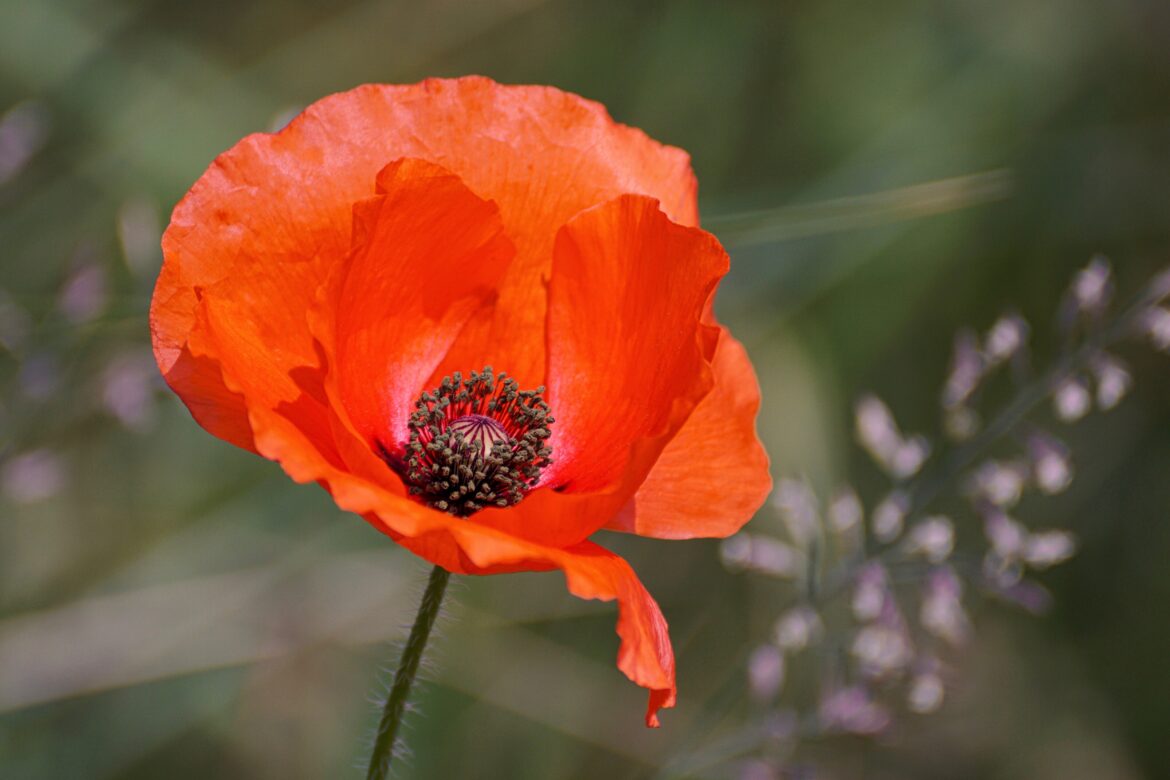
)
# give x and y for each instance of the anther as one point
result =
(475, 441)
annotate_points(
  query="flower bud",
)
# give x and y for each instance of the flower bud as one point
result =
(774, 558)
(942, 611)
(1024, 593)
(24, 128)
(761, 554)
(871, 592)
(1048, 548)
(1000, 483)
(765, 672)
(1113, 381)
(1051, 467)
(926, 693)
(1159, 286)
(1092, 287)
(890, 516)
(796, 629)
(1156, 325)
(736, 551)
(1071, 400)
(1005, 339)
(1000, 572)
(33, 476)
(908, 457)
(84, 295)
(933, 538)
(852, 710)
(128, 389)
(882, 650)
(1006, 536)
(876, 430)
(966, 370)
(845, 511)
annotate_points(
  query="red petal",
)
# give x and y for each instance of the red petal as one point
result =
(557, 519)
(627, 347)
(197, 380)
(591, 572)
(713, 475)
(286, 199)
(428, 255)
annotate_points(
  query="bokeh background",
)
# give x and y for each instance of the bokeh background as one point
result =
(882, 173)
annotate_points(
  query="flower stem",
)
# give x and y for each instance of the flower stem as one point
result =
(391, 719)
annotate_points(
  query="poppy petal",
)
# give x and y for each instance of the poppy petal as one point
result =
(427, 267)
(627, 342)
(428, 254)
(543, 155)
(557, 518)
(645, 654)
(197, 380)
(591, 572)
(286, 200)
(713, 475)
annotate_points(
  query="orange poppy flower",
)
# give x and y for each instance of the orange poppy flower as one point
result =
(323, 285)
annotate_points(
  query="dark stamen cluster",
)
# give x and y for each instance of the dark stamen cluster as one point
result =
(477, 442)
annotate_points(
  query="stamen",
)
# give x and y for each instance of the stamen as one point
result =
(476, 442)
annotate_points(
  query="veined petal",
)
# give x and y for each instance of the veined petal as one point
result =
(627, 342)
(428, 255)
(284, 201)
(591, 572)
(713, 475)
(198, 380)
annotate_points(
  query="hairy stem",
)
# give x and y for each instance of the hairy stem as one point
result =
(391, 719)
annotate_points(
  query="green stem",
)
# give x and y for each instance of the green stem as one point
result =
(428, 610)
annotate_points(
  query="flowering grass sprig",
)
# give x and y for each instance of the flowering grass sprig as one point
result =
(903, 577)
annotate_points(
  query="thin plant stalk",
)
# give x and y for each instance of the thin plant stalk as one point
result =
(392, 712)
(924, 489)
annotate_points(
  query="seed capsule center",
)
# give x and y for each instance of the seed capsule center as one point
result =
(480, 433)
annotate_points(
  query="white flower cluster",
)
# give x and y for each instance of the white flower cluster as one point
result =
(906, 579)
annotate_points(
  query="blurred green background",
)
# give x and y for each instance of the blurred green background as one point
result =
(882, 173)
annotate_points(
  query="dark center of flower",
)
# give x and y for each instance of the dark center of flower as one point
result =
(477, 441)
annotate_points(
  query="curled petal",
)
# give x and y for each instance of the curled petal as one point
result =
(626, 368)
(713, 475)
(591, 572)
(198, 380)
(284, 202)
(428, 255)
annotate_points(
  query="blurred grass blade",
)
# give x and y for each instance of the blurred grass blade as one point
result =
(861, 211)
